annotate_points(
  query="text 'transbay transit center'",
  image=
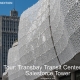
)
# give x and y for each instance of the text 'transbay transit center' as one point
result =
(49, 35)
